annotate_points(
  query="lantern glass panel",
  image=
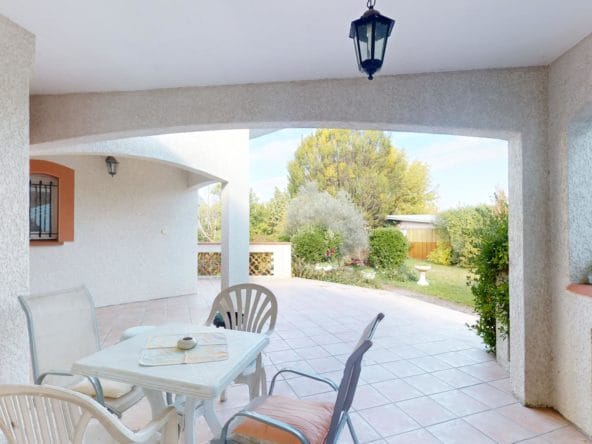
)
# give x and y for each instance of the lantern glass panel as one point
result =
(365, 40)
(381, 35)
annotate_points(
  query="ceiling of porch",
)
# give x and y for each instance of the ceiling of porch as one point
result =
(115, 45)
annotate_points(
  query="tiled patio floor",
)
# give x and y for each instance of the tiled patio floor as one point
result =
(426, 379)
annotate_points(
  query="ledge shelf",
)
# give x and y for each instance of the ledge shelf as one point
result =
(583, 289)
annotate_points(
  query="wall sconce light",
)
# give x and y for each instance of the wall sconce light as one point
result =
(111, 165)
(370, 34)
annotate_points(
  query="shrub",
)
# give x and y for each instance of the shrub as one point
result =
(442, 254)
(316, 244)
(490, 286)
(459, 228)
(402, 273)
(388, 248)
(340, 275)
(312, 207)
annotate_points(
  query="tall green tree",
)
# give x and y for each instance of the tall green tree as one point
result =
(268, 219)
(376, 175)
(210, 214)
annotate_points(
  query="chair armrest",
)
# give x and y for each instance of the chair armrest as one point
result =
(166, 423)
(100, 398)
(266, 420)
(306, 375)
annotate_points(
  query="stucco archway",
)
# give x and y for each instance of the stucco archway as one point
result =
(505, 104)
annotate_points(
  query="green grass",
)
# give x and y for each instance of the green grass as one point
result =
(446, 282)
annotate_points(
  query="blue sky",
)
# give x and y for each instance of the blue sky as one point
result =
(464, 170)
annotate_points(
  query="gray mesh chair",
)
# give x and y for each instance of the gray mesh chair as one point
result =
(337, 418)
(62, 329)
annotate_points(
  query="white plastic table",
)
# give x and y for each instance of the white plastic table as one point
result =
(197, 382)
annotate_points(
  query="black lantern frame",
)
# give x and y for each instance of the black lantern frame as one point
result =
(370, 34)
(111, 165)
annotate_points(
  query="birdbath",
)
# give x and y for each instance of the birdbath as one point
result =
(422, 274)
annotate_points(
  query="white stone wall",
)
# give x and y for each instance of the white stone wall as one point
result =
(570, 102)
(135, 233)
(16, 57)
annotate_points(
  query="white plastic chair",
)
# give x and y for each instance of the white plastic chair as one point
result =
(62, 329)
(35, 414)
(252, 308)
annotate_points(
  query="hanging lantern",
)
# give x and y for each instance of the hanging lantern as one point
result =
(370, 34)
(111, 165)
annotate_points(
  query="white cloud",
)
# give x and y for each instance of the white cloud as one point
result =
(264, 188)
(461, 151)
(275, 151)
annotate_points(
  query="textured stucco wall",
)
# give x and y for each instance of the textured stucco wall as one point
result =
(208, 157)
(16, 57)
(509, 104)
(135, 233)
(570, 98)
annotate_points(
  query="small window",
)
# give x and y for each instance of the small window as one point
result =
(51, 203)
(43, 209)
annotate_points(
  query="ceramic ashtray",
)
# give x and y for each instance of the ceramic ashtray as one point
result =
(186, 343)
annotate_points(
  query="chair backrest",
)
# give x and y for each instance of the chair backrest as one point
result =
(62, 328)
(246, 307)
(34, 414)
(349, 381)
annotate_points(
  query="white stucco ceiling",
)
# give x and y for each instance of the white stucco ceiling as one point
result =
(87, 45)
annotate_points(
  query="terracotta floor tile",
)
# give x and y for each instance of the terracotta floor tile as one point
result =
(397, 390)
(367, 396)
(456, 378)
(428, 384)
(388, 420)
(487, 371)
(425, 411)
(376, 373)
(364, 431)
(324, 365)
(499, 428)
(430, 363)
(458, 432)
(538, 421)
(403, 368)
(566, 435)
(488, 395)
(420, 436)
(459, 403)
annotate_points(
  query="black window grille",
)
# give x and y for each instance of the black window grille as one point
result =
(43, 208)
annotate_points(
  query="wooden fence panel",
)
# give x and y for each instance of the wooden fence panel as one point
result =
(421, 242)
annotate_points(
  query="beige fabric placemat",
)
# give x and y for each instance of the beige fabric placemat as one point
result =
(162, 350)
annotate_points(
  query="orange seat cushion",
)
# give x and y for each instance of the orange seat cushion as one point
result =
(312, 418)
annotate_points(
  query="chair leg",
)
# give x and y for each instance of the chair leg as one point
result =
(223, 396)
(350, 426)
(263, 379)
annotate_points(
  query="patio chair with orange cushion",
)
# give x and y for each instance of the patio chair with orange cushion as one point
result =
(63, 329)
(280, 419)
(34, 414)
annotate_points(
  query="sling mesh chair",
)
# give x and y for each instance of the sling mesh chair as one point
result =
(62, 329)
(35, 414)
(280, 419)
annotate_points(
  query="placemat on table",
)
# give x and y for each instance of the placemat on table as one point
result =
(162, 350)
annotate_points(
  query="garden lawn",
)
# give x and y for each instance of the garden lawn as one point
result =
(446, 282)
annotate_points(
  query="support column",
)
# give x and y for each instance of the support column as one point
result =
(235, 216)
(16, 57)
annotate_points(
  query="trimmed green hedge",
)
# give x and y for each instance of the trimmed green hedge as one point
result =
(316, 244)
(388, 248)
